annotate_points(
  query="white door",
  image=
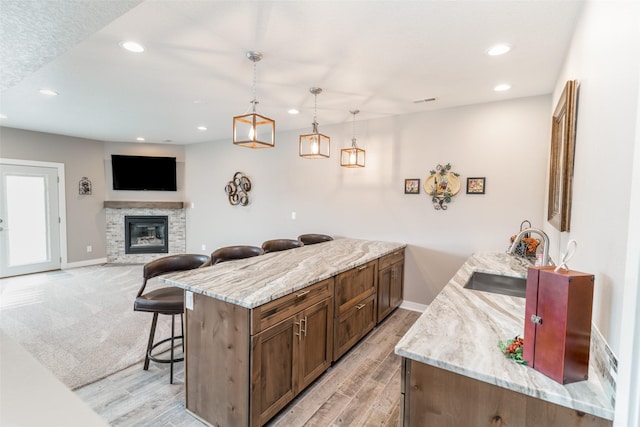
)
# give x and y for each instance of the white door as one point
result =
(29, 219)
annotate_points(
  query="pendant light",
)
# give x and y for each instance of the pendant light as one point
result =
(352, 157)
(315, 145)
(253, 130)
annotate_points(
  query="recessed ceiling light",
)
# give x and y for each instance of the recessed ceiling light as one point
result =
(141, 139)
(2, 116)
(499, 49)
(202, 128)
(502, 87)
(48, 92)
(132, 46)
(293, 111)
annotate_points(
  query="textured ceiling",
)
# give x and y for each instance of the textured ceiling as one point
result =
(376, 56)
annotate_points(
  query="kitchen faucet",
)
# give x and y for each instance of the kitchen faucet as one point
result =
(546, 260)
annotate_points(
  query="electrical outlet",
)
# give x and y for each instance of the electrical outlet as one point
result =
(89, 248)
(204, 247)
(293, 215)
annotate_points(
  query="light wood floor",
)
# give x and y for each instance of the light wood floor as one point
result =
(361, 389)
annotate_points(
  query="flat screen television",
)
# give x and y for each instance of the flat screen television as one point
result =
(143, 173)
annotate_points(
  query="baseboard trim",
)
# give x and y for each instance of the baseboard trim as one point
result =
(84, 263)
(413, 306)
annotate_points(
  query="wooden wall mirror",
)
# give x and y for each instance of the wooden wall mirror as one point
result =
(563, 142)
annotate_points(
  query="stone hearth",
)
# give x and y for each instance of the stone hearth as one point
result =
(115, 213)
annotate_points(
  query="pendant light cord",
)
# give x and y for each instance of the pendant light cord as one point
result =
(255, 72)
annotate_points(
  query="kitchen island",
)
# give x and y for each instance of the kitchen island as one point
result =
(455, 374)
(259, 330)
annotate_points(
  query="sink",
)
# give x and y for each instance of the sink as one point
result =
(497, 284)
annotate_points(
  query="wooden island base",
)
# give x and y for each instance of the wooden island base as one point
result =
(245, 365)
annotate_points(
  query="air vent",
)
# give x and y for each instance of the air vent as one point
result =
(421, 100)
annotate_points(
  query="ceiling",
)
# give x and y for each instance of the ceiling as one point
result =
(375, 56)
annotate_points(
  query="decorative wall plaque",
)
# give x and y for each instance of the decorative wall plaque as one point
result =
(84, 187)
(442, 185)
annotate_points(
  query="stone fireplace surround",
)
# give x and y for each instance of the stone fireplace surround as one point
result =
(117, 210)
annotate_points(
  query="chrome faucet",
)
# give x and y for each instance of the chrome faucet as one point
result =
(546, 260)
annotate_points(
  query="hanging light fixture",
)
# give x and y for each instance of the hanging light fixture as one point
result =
(315, 145)
(253, 130)
(352, 157)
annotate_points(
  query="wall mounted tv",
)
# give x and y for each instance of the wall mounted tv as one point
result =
(143, 173)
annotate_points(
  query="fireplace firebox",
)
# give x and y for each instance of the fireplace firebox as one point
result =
(146, 234)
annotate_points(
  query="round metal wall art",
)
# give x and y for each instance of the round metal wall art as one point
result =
(237, 189)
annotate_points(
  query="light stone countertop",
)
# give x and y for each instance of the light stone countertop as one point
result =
(254, 281)
(460, 330)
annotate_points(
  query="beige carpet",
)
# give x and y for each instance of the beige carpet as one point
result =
(79, 323)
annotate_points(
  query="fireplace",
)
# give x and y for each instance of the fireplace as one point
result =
(146, 234)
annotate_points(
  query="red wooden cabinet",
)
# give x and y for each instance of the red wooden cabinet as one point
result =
(557, 326)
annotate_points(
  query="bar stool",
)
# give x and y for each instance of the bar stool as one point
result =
(312, 239)
(276, 245)
(229, 253)
(167, 300)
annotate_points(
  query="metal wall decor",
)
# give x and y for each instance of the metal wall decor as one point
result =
(237, 189)
(84, 186)
(442, 185)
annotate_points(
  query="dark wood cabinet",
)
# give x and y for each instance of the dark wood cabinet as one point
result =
(287, 357)
(245, 365)
(355, 306)
(390, 283)
(436, 397)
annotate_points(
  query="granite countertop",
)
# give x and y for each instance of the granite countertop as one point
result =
(254, 281)
(461, 328)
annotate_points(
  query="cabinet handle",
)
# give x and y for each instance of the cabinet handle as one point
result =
(363, 267)
(301, 294)
(360, 306)
(301, 330)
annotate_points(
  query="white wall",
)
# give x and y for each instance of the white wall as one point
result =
(506, 142)
(604, 57)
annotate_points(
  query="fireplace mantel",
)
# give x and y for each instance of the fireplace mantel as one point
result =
(130, 204)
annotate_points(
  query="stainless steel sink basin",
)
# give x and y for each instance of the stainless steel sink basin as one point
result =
(497, 284)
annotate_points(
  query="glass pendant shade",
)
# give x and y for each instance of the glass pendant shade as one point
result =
(353, 157)
(254, 130)
(315, 145)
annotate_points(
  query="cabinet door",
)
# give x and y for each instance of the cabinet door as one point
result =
(273, 363)
(316, 341)
(396, 292)
(384, 292)
(352, 325)
(390, 289)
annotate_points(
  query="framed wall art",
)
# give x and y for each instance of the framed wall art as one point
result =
(563, 142)
(412, 186)
(476, 185)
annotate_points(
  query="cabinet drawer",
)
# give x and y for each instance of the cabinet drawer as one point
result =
(392, 258)
(269, 314)
(354, 285)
